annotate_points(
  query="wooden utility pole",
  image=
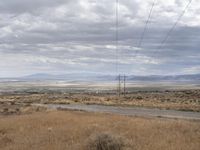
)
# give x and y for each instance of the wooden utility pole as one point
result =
(119, 88)
(124, 85)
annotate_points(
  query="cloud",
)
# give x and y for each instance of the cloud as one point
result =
(191, 70)
(79, 35)
(22, 6)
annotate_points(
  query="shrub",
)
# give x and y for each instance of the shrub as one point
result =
(105, 142)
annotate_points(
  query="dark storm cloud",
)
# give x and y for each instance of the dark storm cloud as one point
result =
(56, 36)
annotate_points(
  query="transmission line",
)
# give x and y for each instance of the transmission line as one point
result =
(146, 25)
(117, 35)
(145, 28)
(174, 25)
(117, 47)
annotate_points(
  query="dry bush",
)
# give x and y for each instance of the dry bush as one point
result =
(31, 109)
(105, 141)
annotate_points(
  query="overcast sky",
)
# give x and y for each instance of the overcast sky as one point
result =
(65, 36)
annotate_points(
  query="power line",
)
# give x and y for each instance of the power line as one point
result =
(124, 85)
(146, 25)
(119, 90)
(117, 46)
(117, 36)
(171, 29)
(145, 28)
(174, 25)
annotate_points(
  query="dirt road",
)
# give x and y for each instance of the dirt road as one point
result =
(130, 111)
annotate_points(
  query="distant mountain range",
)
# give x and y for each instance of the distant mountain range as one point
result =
(192, 77)
(71, 76)
(97, 77)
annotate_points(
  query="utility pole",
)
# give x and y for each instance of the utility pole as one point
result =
(124, 85)
(119, 90)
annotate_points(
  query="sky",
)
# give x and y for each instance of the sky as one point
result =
(78, 36)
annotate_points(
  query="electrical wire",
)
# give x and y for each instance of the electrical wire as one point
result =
(117, 36)
(174, 26)
(145, 28)
(146, 25)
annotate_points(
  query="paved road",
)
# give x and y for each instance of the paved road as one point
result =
(130, 111)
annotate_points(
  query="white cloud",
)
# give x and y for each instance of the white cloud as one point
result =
(80, 35)
(192, 70)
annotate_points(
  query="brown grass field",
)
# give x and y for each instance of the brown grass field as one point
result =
(69, 130)
(187, 100)
(27, 127)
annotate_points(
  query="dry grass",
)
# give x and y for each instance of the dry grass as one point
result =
(105, 141)
(60, 130)
(188, 100)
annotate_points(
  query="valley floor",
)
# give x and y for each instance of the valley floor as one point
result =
(185, 100)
